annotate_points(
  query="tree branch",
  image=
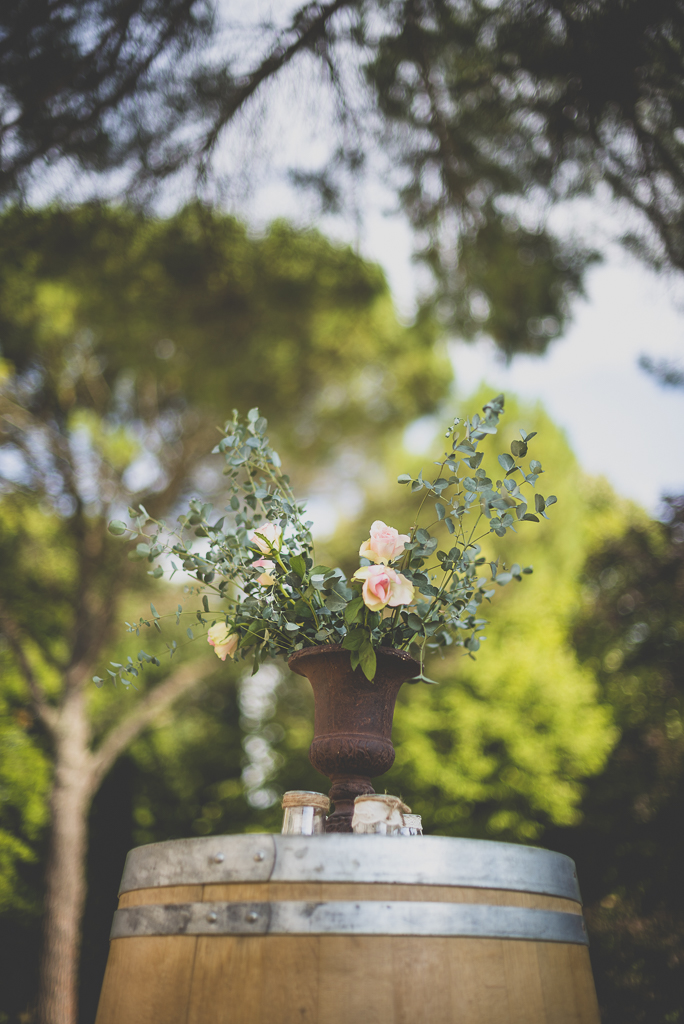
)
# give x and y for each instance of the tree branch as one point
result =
(309, 23)
(44, 711)
(157, 701)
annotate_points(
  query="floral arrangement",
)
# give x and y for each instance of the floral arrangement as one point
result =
(263, 595)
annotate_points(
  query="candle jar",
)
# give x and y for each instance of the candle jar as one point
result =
(379, 813)
(304, 812)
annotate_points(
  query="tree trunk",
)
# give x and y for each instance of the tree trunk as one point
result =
(65, 886)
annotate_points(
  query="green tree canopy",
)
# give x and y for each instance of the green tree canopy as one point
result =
(194, 309)
(629, 632)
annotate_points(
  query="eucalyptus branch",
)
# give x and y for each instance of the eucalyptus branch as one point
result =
(262, 548)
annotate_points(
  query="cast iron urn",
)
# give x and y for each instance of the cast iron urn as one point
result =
(353, 720)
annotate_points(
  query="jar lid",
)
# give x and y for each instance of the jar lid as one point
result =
(305, 798)
(391, 802)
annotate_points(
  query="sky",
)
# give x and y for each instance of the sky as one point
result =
(620, 422)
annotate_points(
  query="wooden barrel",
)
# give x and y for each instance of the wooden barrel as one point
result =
(340, 929)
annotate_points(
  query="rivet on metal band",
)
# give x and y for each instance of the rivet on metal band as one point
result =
(350, 918)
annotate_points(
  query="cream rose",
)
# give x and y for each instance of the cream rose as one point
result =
(222, 640)
(266, 580)
(267, 537)
(383, 586)
(385, 543)
(402, 590)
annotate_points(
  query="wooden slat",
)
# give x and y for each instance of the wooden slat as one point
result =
(523, 984)
(292, 982)
(227, 983)
(162, 894)
(478, 980)
(558, 984)
(583, 981)
(418, 994)
(147, 980)
(315, 891)
(356, 980)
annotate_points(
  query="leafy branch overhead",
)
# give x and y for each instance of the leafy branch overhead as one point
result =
(480, 110)
(262, 594)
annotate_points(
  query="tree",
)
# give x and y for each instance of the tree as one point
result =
(288, 321)
(630, 844)
(100, 408)
(480, 110)
(76, 79)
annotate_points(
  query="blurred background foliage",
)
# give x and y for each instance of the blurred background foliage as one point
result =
(199, 311)
(126, 337)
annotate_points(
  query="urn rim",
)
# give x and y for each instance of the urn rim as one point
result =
(312, 652)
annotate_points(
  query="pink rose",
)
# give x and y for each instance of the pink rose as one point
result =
(383, 586)
(266, 580)
(222, 640)
(385, 543)
(266, 537)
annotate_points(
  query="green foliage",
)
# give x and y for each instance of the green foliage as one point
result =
(25, 777)
(195, 309)
(74, 88)
(494, 105)
(279, 604)
(629, 631)
(510, 284)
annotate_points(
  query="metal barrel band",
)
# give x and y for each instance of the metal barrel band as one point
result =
(424, 860)
(473, 920)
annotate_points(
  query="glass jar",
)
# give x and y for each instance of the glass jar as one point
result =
(413, 825)
(379, 813)
(304, 812)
